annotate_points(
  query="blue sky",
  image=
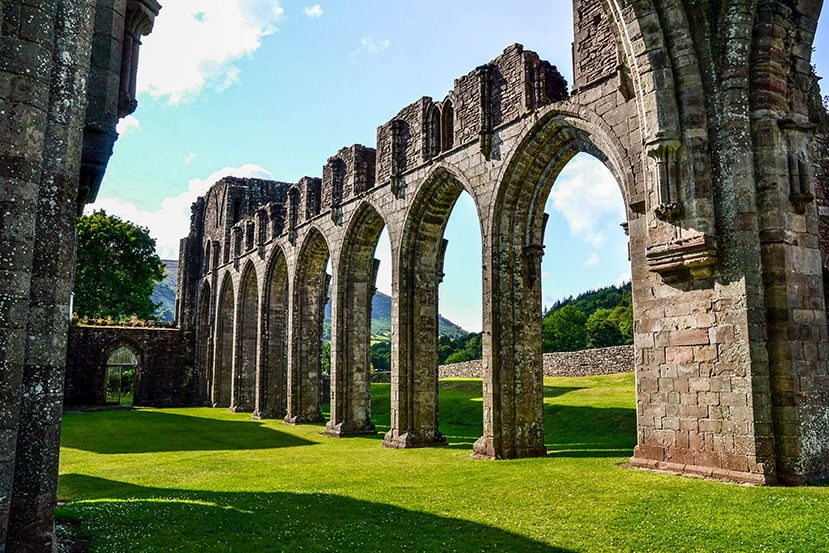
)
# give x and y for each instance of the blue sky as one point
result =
(273, 88)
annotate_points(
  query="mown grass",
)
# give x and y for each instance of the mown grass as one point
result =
(208, 480)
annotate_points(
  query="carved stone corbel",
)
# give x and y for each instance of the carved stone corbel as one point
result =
(683, 259)
(799, 182)
(663, 151)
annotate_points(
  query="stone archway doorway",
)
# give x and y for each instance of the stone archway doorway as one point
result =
(122, 371)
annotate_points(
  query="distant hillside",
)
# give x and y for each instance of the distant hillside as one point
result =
(165, 291)
(381, 320)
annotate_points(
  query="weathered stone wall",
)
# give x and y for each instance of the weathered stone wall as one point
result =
(164, 376)
(590, 362)
(64, 83)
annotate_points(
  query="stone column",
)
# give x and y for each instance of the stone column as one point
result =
(351, 354)
(513, 362)
(414, 384)
(25, 97)
(305, 339)
(31, 524)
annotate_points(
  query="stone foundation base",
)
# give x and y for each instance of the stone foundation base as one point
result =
(485, 450)
(240, 409)
(411, 440)
(304, 419)
(349, 430)
(707, 472)
(265, 414)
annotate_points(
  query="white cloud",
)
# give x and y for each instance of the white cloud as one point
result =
(195, 42)
(189, 158)
(592, 261)
(171, 221)
(624, 278)
(369, 45)
(314, 12)
(589, 198)
(127, 125)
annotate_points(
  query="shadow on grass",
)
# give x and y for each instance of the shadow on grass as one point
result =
(569, 430)
(120, 517)
(153, 432)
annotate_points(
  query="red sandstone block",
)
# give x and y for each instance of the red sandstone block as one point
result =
(734, 462)
(680, 456)
(707, 459)
(650, 452)
(721, 334)
(699, 384)
(682, 355)
(695, 337)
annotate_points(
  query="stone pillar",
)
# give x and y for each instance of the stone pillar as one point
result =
(414, 380)
(31, 524)
(798, 355)
(351, 354)
(305, 339)
(24, 95)
(513, 362)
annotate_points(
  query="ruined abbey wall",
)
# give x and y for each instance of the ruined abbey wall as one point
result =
(164, 376)
(706, 118)
(67, 76)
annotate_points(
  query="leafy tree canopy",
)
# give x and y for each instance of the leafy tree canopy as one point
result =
(117, 268)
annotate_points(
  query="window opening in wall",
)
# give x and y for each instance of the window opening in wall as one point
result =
(121, 368)
(447, 126)
(237, 210)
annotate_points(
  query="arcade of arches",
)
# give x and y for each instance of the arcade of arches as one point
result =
(706, 113)
(722, 171)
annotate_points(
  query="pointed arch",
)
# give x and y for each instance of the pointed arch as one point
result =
(447, 125)
(351, 326)
(204, 342)
(513, 372)
(415, 322)
(247, 337)
(310, 294)
(272, 390)
(223, 356)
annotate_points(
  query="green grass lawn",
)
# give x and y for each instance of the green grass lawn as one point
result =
(207, 480)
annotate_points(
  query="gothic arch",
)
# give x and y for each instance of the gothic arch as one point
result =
(351, 325)
(136, 350)
(273, 367)
(221, 384)
(513, 375)
(310, 294)
(414, 416)
(247, 328)
(204, 341)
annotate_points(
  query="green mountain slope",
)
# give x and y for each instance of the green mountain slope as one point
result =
(165, 291)
(381, 320)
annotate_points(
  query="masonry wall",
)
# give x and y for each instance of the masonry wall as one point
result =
(590, 362)
(165, 365)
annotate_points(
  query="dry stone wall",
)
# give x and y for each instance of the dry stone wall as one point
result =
(590, 362)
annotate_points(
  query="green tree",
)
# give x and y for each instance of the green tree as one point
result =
(117, 268)
(601, 330)
(563, 330)
(381, 356)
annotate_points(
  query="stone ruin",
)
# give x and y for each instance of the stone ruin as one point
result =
(706, 113)
(717, 142)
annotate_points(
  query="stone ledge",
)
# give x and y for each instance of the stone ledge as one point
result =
(701, 472)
